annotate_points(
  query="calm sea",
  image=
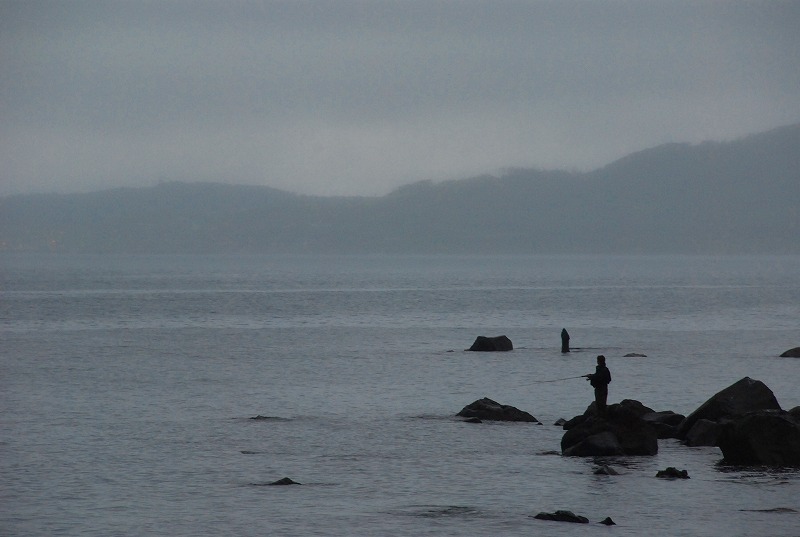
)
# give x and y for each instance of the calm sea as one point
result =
(128, 384)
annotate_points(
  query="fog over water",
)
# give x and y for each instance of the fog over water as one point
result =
(354, 97)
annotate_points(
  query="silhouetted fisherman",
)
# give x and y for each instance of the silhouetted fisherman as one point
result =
(599, 380)
(564, 340)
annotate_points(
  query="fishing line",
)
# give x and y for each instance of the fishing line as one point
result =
(558, 380)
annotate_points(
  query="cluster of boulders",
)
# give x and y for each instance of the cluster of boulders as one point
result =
(619, 431)
(744, 420)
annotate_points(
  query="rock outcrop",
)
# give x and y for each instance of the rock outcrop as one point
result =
(492, 344)
(792, 353)
(284, 481)
(665, 422)
(563, 516)
(703, 433)
(621, 431)
(672, 473)
(746, 395)
(768, 437)
(487, 409)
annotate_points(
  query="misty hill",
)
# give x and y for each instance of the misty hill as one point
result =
(715, 197)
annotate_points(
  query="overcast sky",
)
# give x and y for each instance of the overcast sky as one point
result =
(342, 97)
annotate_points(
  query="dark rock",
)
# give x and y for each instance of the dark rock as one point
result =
(563, 516)
(792, 353)
(621, 431)
(486, 409)
(739, 398)
(628, 406)
(795, 412)
(560, 422)
(473, 420)
(633, 406)
(608, 522)
(667, 417)
(492, 344)
(284, 481)
(771, 510)
(673, 473)
(600, 443)
(577, 420)
(768, 437)
(665, 423)
(635, 355)
(703, 433)
(605, 470)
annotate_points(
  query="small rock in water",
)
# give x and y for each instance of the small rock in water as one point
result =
(673, 473)
(773, 510)
(605, 470)
(265, 418)
(284, 481)
(563, 516)
(608, 522)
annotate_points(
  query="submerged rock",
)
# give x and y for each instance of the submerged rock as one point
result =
(268, 418)
(605, 470)
(487, 409)
(284, 481)
(563, 516)
(771, 510)
(492, 344)
(792, 353)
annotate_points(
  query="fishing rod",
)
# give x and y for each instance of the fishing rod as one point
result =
(558, 380)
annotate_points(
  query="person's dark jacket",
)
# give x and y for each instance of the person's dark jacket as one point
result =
(601, 377)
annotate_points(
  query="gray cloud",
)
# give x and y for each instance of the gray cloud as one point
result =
(356, 97)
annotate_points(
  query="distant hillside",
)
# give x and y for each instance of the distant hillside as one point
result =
(731, 197)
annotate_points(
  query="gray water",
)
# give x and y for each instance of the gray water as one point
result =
(128, 384)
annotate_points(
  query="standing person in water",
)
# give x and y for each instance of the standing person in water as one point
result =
(599, 381)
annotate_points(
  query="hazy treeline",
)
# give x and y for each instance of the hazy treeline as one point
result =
(732, 197)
